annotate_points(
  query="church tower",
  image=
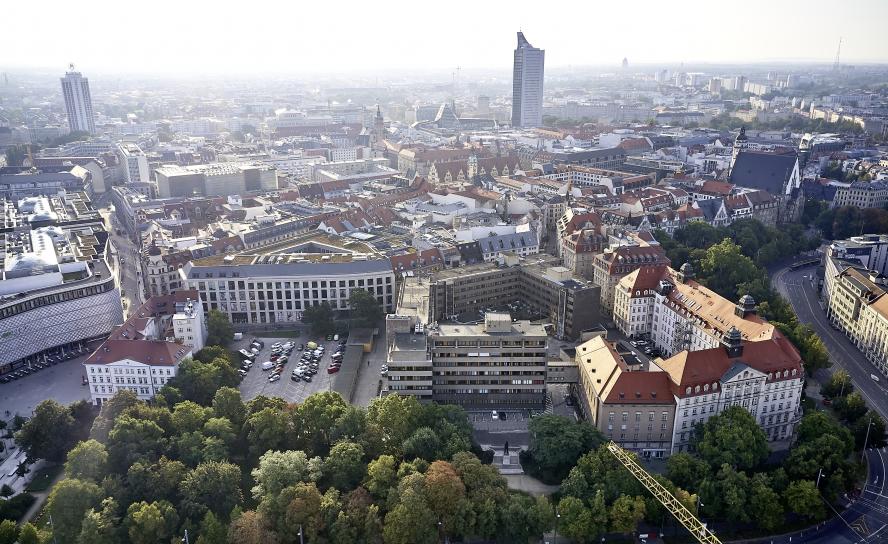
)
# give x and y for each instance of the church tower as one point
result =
(378, 128)
(472, 166)
(741, 143)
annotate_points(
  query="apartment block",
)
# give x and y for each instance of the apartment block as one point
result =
(858, 306)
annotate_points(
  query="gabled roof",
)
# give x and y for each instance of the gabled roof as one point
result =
(148, 352)
(709, 366)
(759, 170)
(709, 207)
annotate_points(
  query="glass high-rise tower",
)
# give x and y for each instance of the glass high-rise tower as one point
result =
(78, 102)
(527, 85)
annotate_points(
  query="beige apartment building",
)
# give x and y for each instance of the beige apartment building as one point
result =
(858, 305)
(617, 262)
(634, 408)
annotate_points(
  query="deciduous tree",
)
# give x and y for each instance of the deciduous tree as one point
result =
(69, 500)
(212, 486)
(803, 499)
(47, 435)
(734, 438)
(149, 523)
(344, 467)
(87, 461)
(219, 329)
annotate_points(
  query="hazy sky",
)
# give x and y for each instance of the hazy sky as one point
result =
(289, 36)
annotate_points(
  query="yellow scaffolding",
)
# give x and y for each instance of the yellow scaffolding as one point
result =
(690, 522)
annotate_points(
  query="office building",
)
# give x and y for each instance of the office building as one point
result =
(539, 284)
(620, 259)
(144, 353)
(497, 363)
(134, 163)
(217, 179)
(862, 194)
(677, 313)
(78, 102)
(256, 288)
(764, 377)
(527, 85)
(17, 182)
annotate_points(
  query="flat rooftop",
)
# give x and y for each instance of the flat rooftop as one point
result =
(523, 328)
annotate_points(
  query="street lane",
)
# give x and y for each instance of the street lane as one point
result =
(129, 271)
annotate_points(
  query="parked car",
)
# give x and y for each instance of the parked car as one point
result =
(273, 378)
(333, 370)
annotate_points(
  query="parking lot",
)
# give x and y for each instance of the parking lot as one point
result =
(256, 382)
(61, 382)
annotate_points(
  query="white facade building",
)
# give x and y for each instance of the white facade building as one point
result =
(527, 85)
(134, 163)
(268, 289)
(765, 378)
(78, 102)
(144, 353)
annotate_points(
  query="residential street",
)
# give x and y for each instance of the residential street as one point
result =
(125, 264)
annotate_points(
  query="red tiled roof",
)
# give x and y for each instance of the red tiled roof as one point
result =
(641, 388)
(149, 352)
(716, 188)
(689, 369)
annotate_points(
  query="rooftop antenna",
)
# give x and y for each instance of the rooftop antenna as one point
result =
(838, 54)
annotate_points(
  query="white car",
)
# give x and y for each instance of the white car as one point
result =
(274, 378)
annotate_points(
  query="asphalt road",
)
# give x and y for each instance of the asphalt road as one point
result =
(125, 264)
(867, 519)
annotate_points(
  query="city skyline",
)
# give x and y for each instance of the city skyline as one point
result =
(694, 34)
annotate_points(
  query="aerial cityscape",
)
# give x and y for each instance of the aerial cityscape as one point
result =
(328, 279)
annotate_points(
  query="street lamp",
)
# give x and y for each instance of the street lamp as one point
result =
(557, 517)
(185, 538)
(866, 438)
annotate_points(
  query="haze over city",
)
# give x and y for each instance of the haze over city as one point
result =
(234, 39)
(475, 272)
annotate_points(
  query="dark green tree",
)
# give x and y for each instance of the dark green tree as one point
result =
(219, 329)
(556, 443)
(213, 487)
(344, 468)
(733, 438)
(47, 435)
(366, 311)
(320, 318)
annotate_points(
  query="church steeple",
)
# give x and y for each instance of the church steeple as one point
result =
(741, 143)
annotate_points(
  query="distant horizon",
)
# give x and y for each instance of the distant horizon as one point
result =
(598, 69)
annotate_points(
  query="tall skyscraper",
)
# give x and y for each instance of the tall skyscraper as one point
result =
(78, 101)
(527, 85)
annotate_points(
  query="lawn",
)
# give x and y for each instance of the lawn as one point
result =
(44, 477)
